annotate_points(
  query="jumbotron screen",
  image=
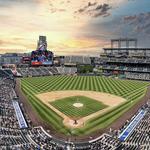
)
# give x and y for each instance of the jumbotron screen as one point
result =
(41, 57)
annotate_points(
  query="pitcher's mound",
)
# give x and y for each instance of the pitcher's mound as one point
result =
(73, 123)
(78, 105)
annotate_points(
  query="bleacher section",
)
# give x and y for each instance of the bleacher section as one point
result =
(135, 67)
(74, 60)
(127, 69)
(140, 136)
(45, 71)
(138, 76)
(6, 73)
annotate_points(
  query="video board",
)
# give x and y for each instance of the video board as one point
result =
(41, 57)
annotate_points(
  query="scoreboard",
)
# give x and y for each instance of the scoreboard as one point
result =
(41, 57)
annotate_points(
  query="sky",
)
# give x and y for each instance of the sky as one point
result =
(72, 27)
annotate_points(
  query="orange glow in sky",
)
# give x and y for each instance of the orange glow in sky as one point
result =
(71, 26)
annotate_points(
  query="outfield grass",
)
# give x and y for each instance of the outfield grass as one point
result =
(132, 91)
(90, 106)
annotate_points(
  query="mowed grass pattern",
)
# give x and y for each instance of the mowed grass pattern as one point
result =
(124, 88)
(130, 90)
(90, 106)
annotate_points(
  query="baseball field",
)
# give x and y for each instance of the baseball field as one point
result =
(80, 105)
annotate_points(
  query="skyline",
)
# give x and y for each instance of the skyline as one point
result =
(80, 28)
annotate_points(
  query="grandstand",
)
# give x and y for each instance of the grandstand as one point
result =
(46, 71)
(130, 61)
(74, 60)
(6, 73)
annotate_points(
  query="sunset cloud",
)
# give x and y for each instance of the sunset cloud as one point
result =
(94, 10)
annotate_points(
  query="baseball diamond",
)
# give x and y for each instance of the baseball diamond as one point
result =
(53, 98)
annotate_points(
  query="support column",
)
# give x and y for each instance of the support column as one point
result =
(127, 44)
(119, 43)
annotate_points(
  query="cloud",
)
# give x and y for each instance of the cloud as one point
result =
(91, 4)
(85, 8)
(95, 10)
(54, 10)
(139, 23)
(102, 10)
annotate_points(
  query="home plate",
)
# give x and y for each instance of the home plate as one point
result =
(78, 105)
